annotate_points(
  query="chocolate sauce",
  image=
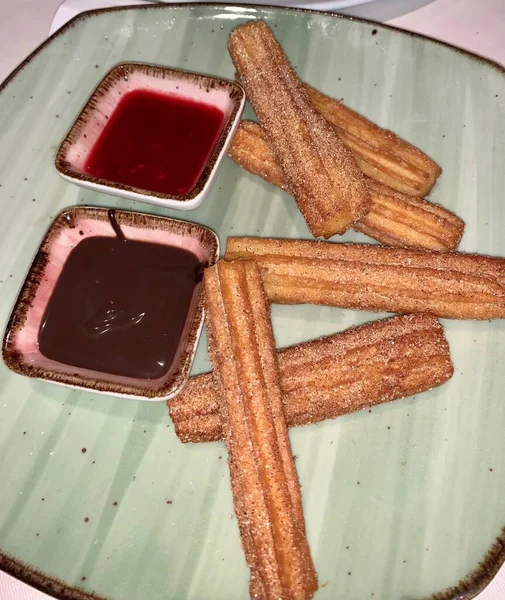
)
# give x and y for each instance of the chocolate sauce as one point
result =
(111, 215)
(120, 306)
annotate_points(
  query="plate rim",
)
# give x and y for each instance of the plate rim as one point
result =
(164, 6)
(489, 565)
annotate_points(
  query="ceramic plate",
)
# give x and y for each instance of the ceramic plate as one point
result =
(98, 495)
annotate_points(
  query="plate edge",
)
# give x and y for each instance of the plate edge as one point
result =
(162, 6)
(44, 583)
(480, 577)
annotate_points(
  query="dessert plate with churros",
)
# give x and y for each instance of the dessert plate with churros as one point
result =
(341, 434)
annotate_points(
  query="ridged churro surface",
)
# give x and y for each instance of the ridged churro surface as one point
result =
(394, 218)
(381, 154)
(322, 174)
(377, 278)
(265, 487)
(363, 366)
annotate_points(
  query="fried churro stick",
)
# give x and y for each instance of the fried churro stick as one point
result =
(394, 218)
(363, 366)
(324, 178)
(377, 278)
(380, 153)
(265, 485)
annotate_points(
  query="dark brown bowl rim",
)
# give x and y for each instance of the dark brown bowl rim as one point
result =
(122, 69)
(15, 361)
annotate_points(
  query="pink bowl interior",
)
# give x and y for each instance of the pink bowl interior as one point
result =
(73, 153)
(70, 228)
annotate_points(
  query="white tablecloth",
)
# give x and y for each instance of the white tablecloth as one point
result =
(477, 25)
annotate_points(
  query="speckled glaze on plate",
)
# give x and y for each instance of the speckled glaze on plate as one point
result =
(403, 503)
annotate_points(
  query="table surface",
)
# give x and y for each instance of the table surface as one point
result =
(476, 26)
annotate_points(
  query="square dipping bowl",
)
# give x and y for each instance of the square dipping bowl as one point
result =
(152, 134)
(74, 226)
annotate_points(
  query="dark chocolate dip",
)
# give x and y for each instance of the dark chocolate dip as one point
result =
(120, 306)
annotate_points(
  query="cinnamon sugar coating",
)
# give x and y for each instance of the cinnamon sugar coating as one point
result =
(381, 154)
(324, 178)
(377, 278)
(394, 218)
(265, 487)
(323, 379)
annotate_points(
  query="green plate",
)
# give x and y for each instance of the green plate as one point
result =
(97, 494)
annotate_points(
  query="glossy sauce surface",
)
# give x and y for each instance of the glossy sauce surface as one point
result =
(156, 142)
(120, 306)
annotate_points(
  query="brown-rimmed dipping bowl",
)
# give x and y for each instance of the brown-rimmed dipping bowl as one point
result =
(75, 149)
(20, 345)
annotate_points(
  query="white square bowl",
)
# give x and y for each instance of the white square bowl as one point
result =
(20, 349)
(227, 96)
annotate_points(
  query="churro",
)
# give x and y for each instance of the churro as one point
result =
(265, 487)
(394, 219)
(321, 172)
(380, 153)
(377, 278)
(358, 368)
